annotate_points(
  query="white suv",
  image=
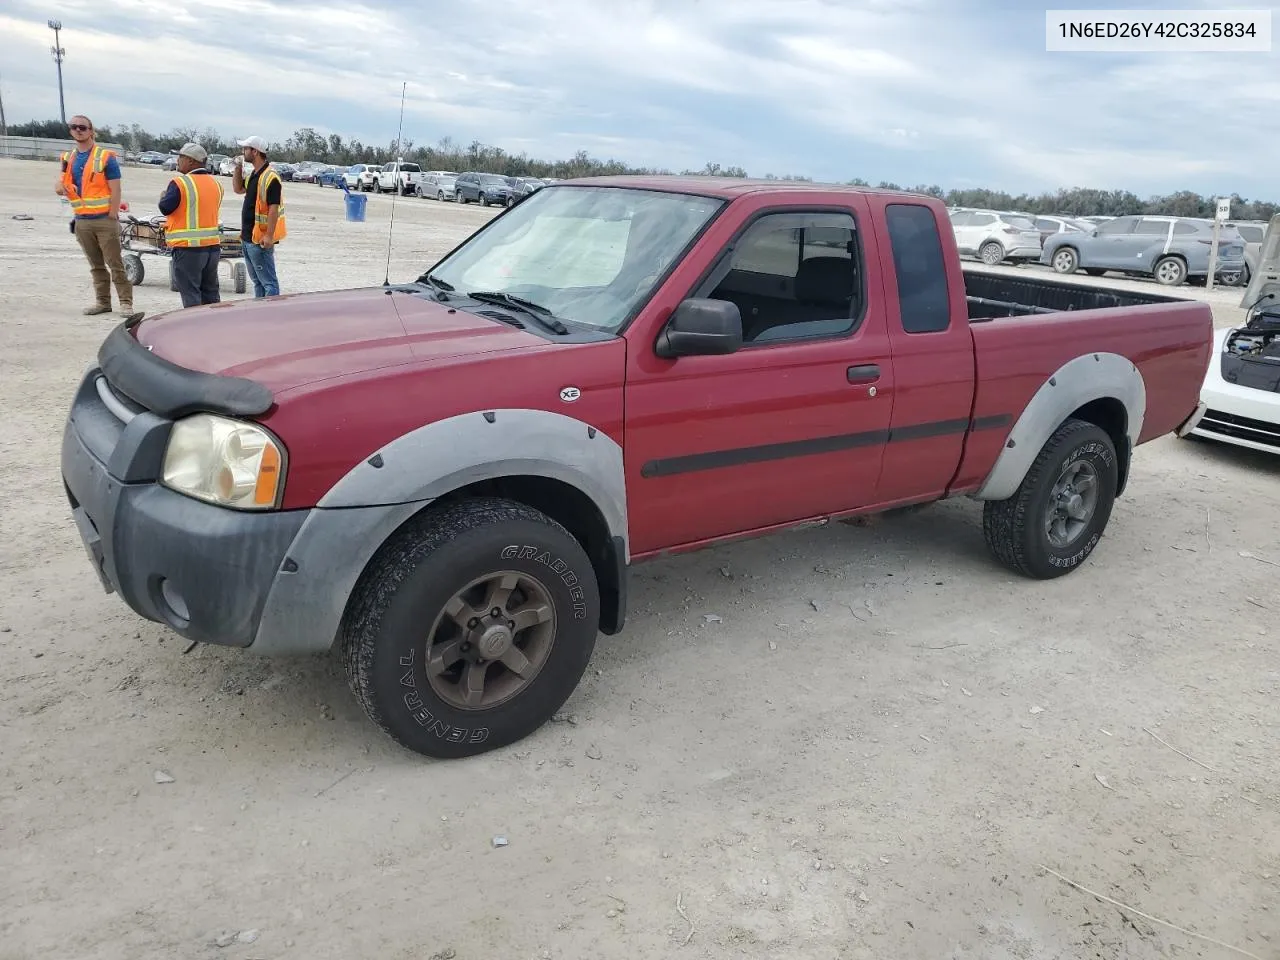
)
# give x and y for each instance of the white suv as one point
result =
(360, 176)
(994, 236)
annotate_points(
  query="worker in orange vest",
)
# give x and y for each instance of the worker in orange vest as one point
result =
(90, 180)
(262, 223)
(192, 204)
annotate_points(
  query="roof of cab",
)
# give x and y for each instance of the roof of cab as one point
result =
(728, 187)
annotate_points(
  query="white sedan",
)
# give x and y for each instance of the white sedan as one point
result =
(1240, 399)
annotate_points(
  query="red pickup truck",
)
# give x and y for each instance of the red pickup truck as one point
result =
(449, 478)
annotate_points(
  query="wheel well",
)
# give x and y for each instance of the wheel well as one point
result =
(1110, 415)
(576, 512)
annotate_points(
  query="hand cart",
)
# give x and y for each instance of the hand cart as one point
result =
(139, 237)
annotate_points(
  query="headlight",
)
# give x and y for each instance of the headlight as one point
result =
(227, 462)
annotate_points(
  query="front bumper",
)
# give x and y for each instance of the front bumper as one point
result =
(1242, 416)
(276, 582)
(202, 570)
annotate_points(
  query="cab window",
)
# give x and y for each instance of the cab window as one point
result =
(793, 276)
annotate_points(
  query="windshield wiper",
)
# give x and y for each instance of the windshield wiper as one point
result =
(441, 287)
(539, 313)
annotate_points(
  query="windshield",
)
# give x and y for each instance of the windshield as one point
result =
(590, 255)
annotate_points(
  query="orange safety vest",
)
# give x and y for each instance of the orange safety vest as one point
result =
(195, 222)
(261, 210)
(96, 198)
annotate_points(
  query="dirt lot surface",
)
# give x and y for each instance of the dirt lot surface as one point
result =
(843, 742)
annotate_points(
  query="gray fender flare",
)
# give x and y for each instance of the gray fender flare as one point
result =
(433, 460)
(1092, 376)
(304, 608)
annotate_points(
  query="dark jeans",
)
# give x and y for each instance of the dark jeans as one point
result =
(196, 271)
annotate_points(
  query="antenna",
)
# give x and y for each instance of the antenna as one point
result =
(395, 196)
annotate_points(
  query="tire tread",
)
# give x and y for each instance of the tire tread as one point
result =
(1004, 520)
(429, 531)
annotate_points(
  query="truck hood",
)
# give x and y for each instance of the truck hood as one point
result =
(289, 341)
(1266, 276)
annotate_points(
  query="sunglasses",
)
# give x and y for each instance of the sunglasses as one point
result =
(77, 126)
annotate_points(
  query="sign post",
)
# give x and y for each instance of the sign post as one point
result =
(1223, 214)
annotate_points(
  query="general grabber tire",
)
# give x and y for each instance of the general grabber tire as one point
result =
(471, 627)
(1052, 523)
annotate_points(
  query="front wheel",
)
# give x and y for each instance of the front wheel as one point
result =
(471, 627)
(1056, 517)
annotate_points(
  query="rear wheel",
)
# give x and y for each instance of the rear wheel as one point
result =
(240, 277)
(1056, 517)
(1170, 271)
(471, 627)
(173, 276)
(991, 253)
(1065, 260)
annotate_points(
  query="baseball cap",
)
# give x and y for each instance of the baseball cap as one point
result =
(256, 142)
(196, 152)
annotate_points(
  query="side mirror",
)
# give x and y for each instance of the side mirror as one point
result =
(701, 328)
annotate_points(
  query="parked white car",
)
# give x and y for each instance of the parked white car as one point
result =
(400, 176)
(360, 176)
(993, 236)
(438, 185)
(1240, 399)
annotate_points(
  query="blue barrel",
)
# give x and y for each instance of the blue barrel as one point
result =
(355, 206)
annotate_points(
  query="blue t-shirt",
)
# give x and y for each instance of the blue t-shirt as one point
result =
(111, 168)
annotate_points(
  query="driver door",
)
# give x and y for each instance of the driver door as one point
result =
(791, 426)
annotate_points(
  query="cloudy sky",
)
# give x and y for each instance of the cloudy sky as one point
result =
(953, 92)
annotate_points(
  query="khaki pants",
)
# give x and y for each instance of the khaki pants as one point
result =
(100, 240)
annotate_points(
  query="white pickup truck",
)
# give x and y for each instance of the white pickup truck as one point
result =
(399, 175)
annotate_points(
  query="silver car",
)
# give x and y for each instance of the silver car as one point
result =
(994, 235)
(1172, 250)
(437, 185)
(1252, 232)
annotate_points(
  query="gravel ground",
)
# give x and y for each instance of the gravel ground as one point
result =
(842, 742)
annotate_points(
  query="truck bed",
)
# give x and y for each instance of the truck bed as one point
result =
(993, 295)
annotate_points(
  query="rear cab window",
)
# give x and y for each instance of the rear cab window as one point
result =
(924, 300)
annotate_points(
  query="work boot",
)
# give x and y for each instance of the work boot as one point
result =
(97, 309)
(129, 314)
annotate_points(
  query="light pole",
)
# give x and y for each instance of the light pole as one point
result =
(58, 54)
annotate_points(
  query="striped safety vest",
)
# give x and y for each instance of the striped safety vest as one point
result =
(261, 210)
(195, 222)
(96, 198)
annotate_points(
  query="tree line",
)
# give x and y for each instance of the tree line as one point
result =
(307, 143)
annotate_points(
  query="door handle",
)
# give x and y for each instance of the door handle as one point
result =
(864, 373)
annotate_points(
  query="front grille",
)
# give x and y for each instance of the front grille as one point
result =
(1242, 428)
(120, 406)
